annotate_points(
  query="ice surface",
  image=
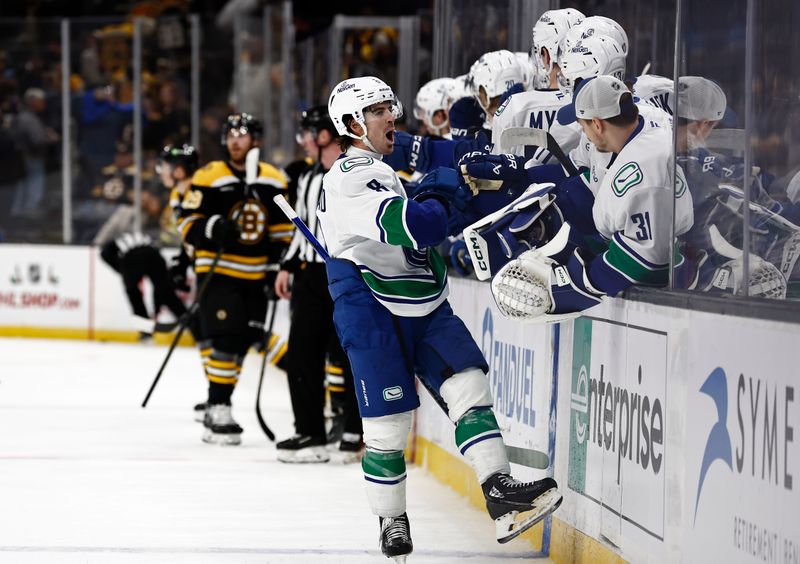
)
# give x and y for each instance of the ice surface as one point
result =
(88, 476)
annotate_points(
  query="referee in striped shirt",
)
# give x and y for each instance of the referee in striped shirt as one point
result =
(312, 328)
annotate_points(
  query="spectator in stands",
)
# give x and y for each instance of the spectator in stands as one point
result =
(32, 138)
(102, 120)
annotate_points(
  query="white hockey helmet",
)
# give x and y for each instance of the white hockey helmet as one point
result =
(528, 68)
(460, 88)
(547, 33)
(432, 97)
(351, 96)
(594, 56)
(495, 72)
(594, 25)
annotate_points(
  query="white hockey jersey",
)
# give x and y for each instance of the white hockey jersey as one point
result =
(585, 154)
(633, 207)
(362, 212)
(535, 108)
(655, 90)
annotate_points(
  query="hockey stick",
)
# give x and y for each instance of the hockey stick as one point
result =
(537, 138)
(267, 338)
(292, 215)
(251, 174)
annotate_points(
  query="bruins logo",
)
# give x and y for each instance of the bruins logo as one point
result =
(252, 221)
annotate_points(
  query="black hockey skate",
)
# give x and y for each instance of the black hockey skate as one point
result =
(395, 541)
(220, 428)
(506, 498)
(200, 411)
(303, 449)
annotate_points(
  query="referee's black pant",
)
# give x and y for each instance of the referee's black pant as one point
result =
(311, 332)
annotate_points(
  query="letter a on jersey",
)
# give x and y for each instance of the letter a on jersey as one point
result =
(628, 176)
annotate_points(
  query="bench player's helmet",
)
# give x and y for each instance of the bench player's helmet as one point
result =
(547, 33)
(594, 56)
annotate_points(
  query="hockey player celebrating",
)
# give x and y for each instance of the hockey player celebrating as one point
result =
(631, 211)
(389, 288)
(232, 227)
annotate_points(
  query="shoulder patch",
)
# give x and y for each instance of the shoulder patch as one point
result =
(209, 173)
(349, 164)
(628, 176)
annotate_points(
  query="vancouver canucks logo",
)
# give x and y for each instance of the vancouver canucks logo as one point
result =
(718, 444)
(680, 185)
(351, 163)
(628, 176)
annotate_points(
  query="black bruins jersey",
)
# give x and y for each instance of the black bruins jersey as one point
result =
(217, 189)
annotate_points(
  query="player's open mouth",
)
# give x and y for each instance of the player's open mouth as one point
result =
(390, 135)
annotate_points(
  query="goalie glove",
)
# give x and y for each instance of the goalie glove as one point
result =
(536, 288)
(527, 222)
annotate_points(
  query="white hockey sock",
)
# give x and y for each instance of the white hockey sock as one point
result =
(478, 438)
(385, 473)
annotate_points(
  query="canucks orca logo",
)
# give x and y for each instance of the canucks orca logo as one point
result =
(718, 445)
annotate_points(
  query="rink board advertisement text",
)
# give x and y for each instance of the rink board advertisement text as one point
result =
(742, 490)
(617, 456)
(520, 368)
(44, 285)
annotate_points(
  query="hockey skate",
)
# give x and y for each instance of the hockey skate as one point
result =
(349, 450)
(220, 428)
(507, 499)
(200, 411)
(302, 449)
(395, 540)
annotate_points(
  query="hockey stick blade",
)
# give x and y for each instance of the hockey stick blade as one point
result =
(251, 165)
(267, 338)
(537, 138)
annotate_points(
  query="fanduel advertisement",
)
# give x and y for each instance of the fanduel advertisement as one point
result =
(743, 451)
(520, 364)
(618, 421)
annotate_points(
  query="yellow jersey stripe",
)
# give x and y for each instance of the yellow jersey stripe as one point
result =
(201, 253)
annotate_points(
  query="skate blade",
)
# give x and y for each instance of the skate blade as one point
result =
(228, 439)
(317, 455)
(400, 559)
(507, 527)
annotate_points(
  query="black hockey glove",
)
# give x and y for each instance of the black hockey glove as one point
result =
(177, 271)
(221, 231)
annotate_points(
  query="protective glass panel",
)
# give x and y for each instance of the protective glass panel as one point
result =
(710, 121)
(473, 28)
(30, 131)
(775, 191)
